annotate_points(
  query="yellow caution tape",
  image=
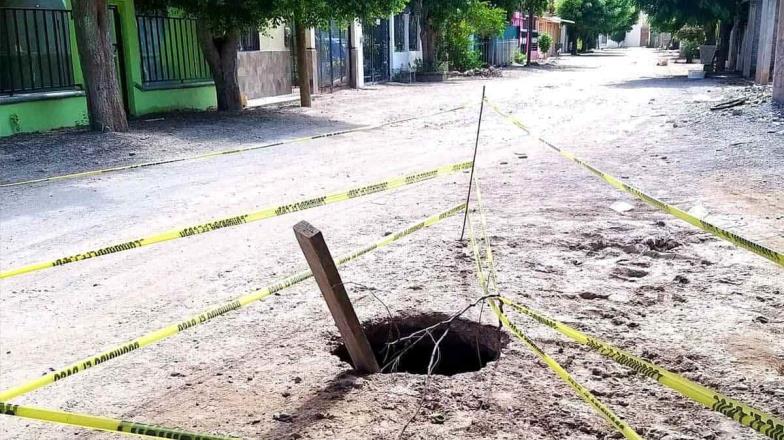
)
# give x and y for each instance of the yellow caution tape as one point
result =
(604, 411)
(227, 152)
(242, 219)
(760, 421)
(173, 329)
(581, 391)
(737, 240)
(101, 423)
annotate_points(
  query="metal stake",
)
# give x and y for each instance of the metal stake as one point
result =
(473, 164)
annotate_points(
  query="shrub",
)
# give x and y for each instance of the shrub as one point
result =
(692, 33)
(691, 50)
(691, 38)
(545, 42)
(619, 37)
(519, 58)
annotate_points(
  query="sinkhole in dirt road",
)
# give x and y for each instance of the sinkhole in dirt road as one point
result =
(402, 344)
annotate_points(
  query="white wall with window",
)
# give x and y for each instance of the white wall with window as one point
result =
(404, 43)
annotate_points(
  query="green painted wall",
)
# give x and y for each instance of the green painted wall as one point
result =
(155, 101)
(35, 116)
(142, 102)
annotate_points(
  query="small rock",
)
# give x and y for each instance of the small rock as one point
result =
(297, 379)
(504, 163)
(761, 320)
(437, 418)
(283, 417)
(737, 112)
(681, 279)
(285, 394)
(591, 295)
(177, 374)
(254, 422)
(131, 154)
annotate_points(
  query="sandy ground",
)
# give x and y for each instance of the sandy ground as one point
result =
(702, 308)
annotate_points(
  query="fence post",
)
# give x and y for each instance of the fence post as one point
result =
(317, 254)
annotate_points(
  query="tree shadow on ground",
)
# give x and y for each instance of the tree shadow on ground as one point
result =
(154, 138)
(313, 409)
(620, 53)
(671, 82)
(558, 68)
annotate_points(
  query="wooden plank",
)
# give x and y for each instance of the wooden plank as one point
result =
(325, 272)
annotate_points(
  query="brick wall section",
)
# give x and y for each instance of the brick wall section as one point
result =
(264, 73)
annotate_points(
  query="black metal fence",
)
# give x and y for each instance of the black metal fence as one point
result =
(35, 50)
(333, 58)
(170, 50)
(375, 49)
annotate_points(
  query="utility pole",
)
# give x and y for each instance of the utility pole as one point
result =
(778, 70)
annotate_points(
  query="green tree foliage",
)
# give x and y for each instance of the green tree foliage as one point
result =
(619, 37)
(671, 15)
(545, 42)
(594, 17)
(477, 19)
(438, 16)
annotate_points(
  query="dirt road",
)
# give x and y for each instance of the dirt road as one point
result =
(645, 281)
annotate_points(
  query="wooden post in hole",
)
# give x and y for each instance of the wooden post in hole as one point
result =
(325, 272)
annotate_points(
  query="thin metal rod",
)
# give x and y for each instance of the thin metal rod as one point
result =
(473, 163)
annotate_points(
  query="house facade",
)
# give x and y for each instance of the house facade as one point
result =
(158, 61)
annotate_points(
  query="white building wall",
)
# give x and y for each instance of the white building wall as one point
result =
(633, 37)
(405, 60)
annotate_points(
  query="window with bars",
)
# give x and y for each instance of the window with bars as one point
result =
(249, 41)
(35, 50)
(413, 32)
(170, 50)
(400, 32)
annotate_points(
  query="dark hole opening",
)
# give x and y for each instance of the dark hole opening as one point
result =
(467, 346)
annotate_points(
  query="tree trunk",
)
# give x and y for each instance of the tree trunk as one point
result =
(530, 37)
(429, 38)
(572, 34)
(303, 70)
(710, 33)
(778, 69)
(725, 31)
(220, 51)
(96, 56)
